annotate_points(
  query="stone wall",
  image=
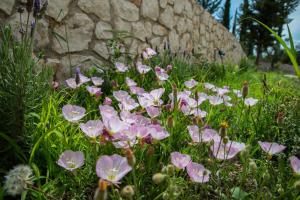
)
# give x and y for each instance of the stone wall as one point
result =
(87, 25)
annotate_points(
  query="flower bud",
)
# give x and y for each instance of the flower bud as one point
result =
(128, 192)
(266, 176)
(158, 178)
(101, 191)
(223, 129)
(225, 140)
(245, 89)
(130, 157)
(170, 121)
(252, 165)
(107, 101)
(169, 169)
(297, 185)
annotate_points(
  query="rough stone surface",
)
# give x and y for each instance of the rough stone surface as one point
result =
(179, 6)
(167, 17)
(101, 8)
(159, 30)
(7, 6)
(125, 10)
(174, 41)
(58, 9)
(103, 30)
(101, 49)
(163, 3)
(80, 30)
(77, 60)
(142, 30)
(150, 9)
(89, 24)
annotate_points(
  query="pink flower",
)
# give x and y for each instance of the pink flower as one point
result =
(107, 112)
(107, 101)
(153, 111)
(250, 101)
(73, 113)
(161, 74)
(149, 53)
(209, 86)
(114, 125)
(201, 97)
(71, 160)
(197, 172)
(295, 163)
(198, 113)
(152, 98)
(140, 130)
(128, 117)
(137, 90)
(94, 90)
(112, 168)
(71, 82)
(92, 128)
(222, 91)
(190, 84)
(121, 67)
(97, 81)
(180, 160)
(128, 104)
(206, 135)
(215, 100)
(169, 68)
(130, 82)
(271, 147)
(226, 151)
(142, 69)
(120, 95)
(157, 132)
(238, 93)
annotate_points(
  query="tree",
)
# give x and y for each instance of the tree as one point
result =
(226, 14)
(211, 6)
(234, 23)
(245, 28)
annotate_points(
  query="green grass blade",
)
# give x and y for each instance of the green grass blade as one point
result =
(291, 41)
(286, 48)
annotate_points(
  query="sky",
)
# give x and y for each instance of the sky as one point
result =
(294, 25)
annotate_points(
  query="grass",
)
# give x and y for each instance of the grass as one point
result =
(252, 174)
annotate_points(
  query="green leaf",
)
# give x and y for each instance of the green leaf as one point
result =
(290, 52)
(238, 193)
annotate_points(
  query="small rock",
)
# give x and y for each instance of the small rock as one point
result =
(101, 8)
(101, 49)
(80, 30)
(150, 9)
(103, 30)
(126, 10)
(159, 30)
(167, 17)
(58, 9)
(7, 6)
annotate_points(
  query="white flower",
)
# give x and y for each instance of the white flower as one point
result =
(18, 179)
(250, 101)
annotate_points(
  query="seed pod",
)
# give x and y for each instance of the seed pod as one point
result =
(245, 89)
(130, 157)
(128, 192)
(158, 178)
